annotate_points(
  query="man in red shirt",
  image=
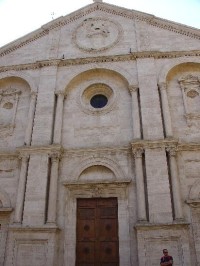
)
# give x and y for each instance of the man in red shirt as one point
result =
(166, 260)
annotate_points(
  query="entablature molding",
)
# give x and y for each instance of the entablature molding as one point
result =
(153, 144)
(29, 229)
(51, 150)
(171, 145)
(99, 184)
(8, 155)
(100, 59)
(169, 226)
(5, 211)
(96, 152)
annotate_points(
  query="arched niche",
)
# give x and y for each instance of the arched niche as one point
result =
(167, 67)
(20, 76)
(97, 124)
(92, 76)
(97, 173)
(68, 79)
(97, 166)
(15, 95)
(182, 69)
(183, 80)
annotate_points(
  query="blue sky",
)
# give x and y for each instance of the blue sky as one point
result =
(20, 17)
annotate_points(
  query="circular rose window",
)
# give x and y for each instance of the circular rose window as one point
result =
(99, 101)
(97, 98)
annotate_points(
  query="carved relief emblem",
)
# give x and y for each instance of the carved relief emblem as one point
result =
(8, 107)
(190, 85)
(97, 34)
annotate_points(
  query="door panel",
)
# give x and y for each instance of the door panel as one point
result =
(97, 232)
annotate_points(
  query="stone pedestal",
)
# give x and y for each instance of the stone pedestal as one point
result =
(153, 238)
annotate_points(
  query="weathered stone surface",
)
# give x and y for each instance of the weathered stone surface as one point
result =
(139, 143)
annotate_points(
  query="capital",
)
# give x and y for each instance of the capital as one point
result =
(55, 157)
(162, 86)
(133, 88)
(23, 157)
(172, 151)
(138, 152)
(60, 93)
(33, 94)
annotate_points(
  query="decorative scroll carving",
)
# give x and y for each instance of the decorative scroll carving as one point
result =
(190, 86)
(138, 152)
(172, 151)
(133, 88)
(8, 108)
(55, 157)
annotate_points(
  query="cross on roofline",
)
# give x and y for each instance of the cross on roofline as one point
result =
(97, 1)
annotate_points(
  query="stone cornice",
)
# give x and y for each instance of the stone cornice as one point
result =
(45, 229)
(110, 9)
(97, 151)
(4, 154)
(100, 59)
(188, 146)
(168, 226)
(5, 210)
(165, 143)
(54, 150)
(151, 20)
(90, 185)
(48, 150)
(153, 144)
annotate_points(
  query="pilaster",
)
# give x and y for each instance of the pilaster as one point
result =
(140, 190)
(58, 118)
(31, 114)
(165, 110)
(35, 204)
(52, 204)
(44, 114)
(135, 112)
(176, 191)
(21, 189)
(149, 100)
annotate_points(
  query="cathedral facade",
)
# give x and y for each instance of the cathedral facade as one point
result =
(100, 141)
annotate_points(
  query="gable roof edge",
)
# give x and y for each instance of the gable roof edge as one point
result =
(111, 9)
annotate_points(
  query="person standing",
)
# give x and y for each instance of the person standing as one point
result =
(166, 259)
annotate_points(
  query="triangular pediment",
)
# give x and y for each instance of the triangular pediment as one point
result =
(107, 10)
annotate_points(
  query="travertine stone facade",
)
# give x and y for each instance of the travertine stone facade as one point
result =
(142, 147)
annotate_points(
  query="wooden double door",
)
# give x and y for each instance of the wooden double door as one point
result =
(97, 241)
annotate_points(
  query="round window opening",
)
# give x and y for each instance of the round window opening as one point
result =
(99, 101)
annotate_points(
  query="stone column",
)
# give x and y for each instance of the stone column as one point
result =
(165, 110)
(52, 205)
(31, 114)
(178, 211)
(58, 118)
(141, 206)
(21, 190)
(135, 112)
